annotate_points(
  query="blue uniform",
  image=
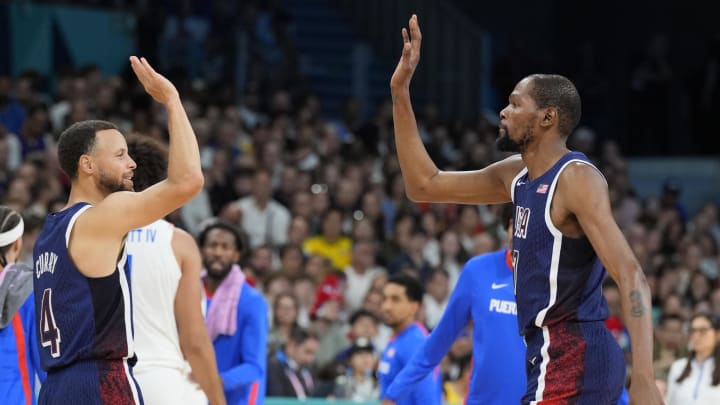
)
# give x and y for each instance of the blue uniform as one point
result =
(241, 358)
(85, 324)
(483, 295)
(397, 354)
(19, 358)
(571, 356)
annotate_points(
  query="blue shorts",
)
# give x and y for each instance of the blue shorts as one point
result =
(91, 383)
(573, 363)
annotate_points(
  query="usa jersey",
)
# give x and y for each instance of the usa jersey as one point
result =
(571, 356)
(85, 324)
(557, 278)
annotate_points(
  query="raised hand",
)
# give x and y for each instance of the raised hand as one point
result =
(410, 55)
(155, 84)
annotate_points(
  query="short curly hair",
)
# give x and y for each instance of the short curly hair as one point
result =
(151, 157)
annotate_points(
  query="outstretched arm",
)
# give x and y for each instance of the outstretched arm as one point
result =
(194, 340)
(585, 194)
(423, 180)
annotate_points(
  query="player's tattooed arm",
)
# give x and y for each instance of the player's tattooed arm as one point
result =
(637, 308)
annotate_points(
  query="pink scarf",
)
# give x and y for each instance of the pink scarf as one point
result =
(222, 315)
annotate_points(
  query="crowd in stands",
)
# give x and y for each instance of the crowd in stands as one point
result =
(322, 204)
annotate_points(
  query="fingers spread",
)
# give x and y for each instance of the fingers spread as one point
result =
(406, 37)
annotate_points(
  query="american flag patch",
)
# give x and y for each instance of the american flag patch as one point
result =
(542, 189)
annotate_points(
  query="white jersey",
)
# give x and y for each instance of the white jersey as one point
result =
(155, 275)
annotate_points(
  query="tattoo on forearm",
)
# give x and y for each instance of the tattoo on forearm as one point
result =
(636, 309)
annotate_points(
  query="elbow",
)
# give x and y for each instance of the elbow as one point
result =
(190, 185)
(418, 192)
(415, 196)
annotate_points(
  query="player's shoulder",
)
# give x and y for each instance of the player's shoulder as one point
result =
(581, 171)
(181, 235)
(478, 263)
(253, 296)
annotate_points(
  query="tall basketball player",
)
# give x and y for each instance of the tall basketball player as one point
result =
(170, 330)
(564, 237)
(82, 295)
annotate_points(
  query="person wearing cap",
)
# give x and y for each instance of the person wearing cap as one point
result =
(19, 357)
(358, 383)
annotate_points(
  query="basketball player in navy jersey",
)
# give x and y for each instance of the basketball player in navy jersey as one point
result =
(564, 238)
(82, 294)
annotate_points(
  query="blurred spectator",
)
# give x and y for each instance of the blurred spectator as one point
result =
(669, 344)
(358, 383)
(331, 244)
(696, 378)
(291, 260)
(437, 293)
(289, 370)
(264, 220)
(363, 324)
(12, 113)
(304, 290)
(328, 317)
(411, 259)
(284, 320)
(455, 389)
(360, 273)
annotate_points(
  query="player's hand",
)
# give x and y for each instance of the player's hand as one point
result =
(410, 55)
(387, 402)
(155, 84)
(644, 391)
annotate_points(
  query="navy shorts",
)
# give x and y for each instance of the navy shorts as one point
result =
(573, 363)
(91, 383)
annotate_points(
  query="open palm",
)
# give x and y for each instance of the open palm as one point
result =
(410, 55)
(155, 84)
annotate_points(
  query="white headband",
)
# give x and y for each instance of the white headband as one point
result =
(12, 235)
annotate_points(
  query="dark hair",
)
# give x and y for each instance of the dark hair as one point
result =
(362, 313)
(77, 140)
(413, 288)
(559, 92)
(299, 335)
(715, 323)
(151, 157)
(9, 219)
(669, 317)
(237, 234)
(276, 302)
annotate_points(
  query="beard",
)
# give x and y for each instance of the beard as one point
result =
(110, 185)
(217, 274)
(506, 144)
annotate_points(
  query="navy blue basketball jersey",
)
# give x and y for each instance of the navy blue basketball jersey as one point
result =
(557, 278)
(571, 357)
(85, 324)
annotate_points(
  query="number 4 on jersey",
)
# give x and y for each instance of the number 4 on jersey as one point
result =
(49, 332)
